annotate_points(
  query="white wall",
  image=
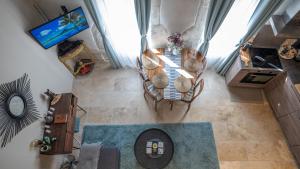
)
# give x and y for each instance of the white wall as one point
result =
(291, 7)
(283, 7)
(20, 54)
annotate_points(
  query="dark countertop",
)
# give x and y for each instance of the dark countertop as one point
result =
(251, 62)
(293, 69)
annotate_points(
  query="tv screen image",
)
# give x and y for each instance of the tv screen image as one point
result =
(60, 28)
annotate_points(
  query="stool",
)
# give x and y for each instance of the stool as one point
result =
(77, 123)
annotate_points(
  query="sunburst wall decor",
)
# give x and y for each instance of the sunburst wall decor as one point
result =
(17, 108)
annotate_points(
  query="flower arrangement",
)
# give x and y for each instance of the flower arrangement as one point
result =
(175, 42)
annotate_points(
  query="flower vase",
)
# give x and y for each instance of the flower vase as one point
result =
(175, 51)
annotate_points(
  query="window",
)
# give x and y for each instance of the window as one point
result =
(232, 30)
(121, 28)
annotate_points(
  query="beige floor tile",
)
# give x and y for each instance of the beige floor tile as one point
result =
(230, 165)
(246, 165)
(284, 165)
(257, 165)
(221, 132)
(232, 151)
(272, 151)
(246, 132)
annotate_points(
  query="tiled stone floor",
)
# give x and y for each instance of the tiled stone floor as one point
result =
(247, 134)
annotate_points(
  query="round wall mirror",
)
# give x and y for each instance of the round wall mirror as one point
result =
(16, 106)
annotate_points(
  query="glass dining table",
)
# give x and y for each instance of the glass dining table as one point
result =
(173, 74)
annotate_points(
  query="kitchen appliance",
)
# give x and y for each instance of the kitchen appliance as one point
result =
(258, 78)
(265, 58)
(265, 66)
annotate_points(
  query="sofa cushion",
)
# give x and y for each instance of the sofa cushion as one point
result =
(89, 156)
(109, 158)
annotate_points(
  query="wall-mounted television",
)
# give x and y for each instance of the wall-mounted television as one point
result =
(60, 28)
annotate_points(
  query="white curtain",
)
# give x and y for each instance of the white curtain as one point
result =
(231, 30)
(121, 28)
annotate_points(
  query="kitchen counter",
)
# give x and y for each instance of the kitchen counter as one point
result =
(293, 69)
(240, 75)
(284, 98)
(260, 59)
(297, 86)
(282, 92)
(255, 67)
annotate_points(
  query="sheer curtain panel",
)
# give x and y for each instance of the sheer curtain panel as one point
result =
(217, 12)
(117, 23)
(231, 31)
(142, 11)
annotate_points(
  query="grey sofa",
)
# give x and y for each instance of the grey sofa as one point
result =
(97, 156)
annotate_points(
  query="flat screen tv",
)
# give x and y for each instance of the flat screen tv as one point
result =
(60, 28)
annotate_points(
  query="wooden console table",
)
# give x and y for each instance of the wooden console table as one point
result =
(64, 132)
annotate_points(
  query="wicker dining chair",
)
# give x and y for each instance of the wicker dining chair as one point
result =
(140, 69)
(192, 94)
(204, 62)
(198, 78)
(151, 91)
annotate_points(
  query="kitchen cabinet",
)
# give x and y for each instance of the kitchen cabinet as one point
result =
(291, 129)
(282, 96)
(286, 26)
(296, 119)
(296, 152)
(284, 99)
(265, 38)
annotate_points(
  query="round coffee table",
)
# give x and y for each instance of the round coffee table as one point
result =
(153, 149)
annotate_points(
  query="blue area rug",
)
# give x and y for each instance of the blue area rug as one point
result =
(194, 144)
